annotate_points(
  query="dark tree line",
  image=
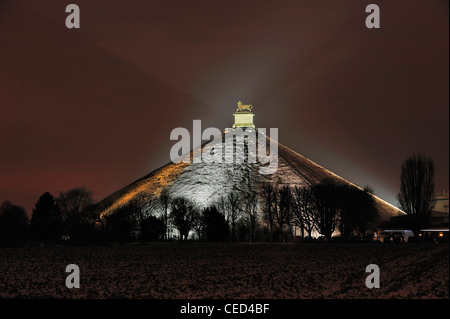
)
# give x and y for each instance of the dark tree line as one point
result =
(324, 208)
(276, 212)
(13, 223)
(279, 214)
(416, 190)
(70, 215)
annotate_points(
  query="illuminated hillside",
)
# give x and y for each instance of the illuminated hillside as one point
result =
(207, 183)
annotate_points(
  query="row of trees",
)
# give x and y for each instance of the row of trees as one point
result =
(278, 214)
(70, 213)
(322, 208)
(416, 190)
(274, 213)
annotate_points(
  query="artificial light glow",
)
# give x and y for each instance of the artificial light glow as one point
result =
(153, 185)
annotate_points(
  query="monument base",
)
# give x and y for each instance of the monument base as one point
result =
(243, 119)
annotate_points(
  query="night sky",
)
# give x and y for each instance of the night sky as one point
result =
(95, 106)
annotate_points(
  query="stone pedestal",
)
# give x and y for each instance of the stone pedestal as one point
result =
(243, 119)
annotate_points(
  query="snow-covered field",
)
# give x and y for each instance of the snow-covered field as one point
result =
(195, 270)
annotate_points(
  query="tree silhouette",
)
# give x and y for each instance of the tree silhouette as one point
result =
(233, 210)
(74, 205)
(140, 208)
(121, 223)
(198, 225)
(303, 209)
(215, 227)
(251, 204)
(349, 210)
(46, 219)
(13, 223)
(269, 196)
(284, 212)
(79, 214)
(183, 216)
(164, 201)
(327, 207)
(368, 215)
(152, 229)
(416, 189)
(357, 210)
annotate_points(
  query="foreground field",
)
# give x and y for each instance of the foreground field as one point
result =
(171, 270)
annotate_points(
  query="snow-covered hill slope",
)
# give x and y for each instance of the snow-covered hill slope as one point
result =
(207, 183)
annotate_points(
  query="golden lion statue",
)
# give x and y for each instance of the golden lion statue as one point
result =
(242, 107)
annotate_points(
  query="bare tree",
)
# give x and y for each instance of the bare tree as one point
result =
(183, 216)
(416, 189)
(357, 210)
(164, 200)
(79, 214)
(270, 206)
(233, 208)
(368, 211)
(140, 209)
(74, 203)
(250, 206)
(303, 208)
(251, 203)
(214, 226)
(327, 208)
(198, 225)
(121, 224)
(13, 223)
(284, 212)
